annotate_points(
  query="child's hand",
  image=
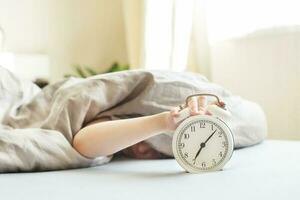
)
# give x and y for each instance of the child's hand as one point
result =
(197, 106)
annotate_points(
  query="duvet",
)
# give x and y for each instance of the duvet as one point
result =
(37, 126)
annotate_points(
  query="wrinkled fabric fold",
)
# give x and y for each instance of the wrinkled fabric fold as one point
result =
(38, 126)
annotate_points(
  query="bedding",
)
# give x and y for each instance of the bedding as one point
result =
(37, 126)
(270, 170)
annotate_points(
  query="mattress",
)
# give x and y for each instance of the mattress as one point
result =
(270, 170)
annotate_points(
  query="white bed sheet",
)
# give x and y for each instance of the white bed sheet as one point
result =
(270, 170)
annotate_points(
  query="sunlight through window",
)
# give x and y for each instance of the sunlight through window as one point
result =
(234, 18)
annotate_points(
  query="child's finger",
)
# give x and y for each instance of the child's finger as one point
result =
(207, 112)
(193, 105)
(202, 103)
(221, 104)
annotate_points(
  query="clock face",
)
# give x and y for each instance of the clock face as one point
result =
(203, 144)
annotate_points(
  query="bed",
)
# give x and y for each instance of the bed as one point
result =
(270, 170)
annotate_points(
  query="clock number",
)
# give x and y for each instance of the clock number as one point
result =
(224, 144)
(186, 155)
(212, 127)
(203, 164)
(181, 145)
(186, 136)
(221, 154)
(193, 129)
(214, 161)
(202, 124)
(220, 134)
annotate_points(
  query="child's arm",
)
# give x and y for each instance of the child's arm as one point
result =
(109, 137)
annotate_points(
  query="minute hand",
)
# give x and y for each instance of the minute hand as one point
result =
(203, 145)
(210, 136)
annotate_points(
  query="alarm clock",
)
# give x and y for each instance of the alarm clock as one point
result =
(203, 143)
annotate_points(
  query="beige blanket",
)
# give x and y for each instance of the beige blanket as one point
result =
(37, 126)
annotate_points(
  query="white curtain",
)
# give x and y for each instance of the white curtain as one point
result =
(237, 18)
(134, 27)
(2, 39)
(251, 47)
(159, 33)
(255, 52)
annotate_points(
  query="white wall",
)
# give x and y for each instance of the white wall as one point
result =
(89, 32)
(264, 67)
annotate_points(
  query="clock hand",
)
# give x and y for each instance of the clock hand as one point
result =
(202, 145)
(210, 136)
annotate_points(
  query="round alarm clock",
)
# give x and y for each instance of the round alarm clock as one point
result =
(203, 143)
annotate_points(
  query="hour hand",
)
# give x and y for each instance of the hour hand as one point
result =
(202, 145)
